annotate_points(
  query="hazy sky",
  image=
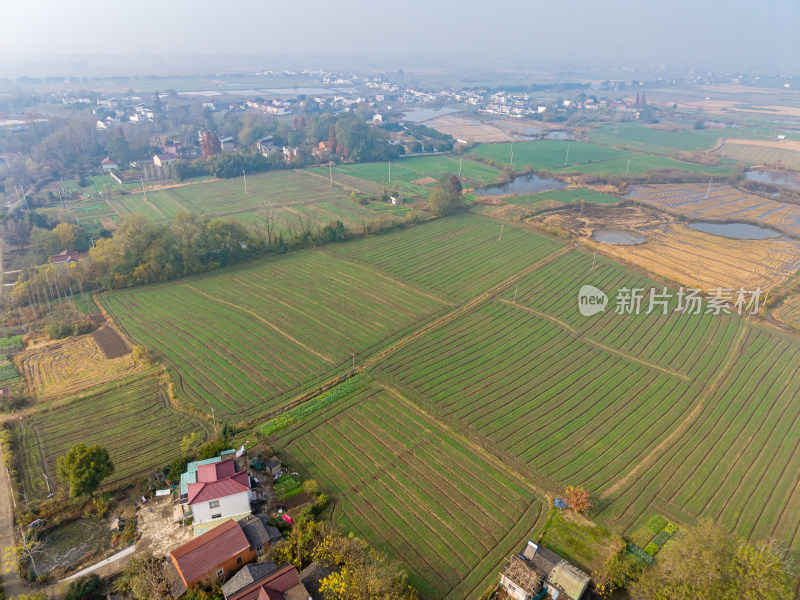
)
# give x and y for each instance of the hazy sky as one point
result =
(704, 32)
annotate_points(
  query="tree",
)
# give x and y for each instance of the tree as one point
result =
(85, 588)
(17, 233)
(27, 546)
(578, 499)
(445, 198)
(158, 107)
(707, 563)
(83, 468)
(210, 144)
(144, 579)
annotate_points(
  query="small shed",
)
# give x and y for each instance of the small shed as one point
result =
(273, 465)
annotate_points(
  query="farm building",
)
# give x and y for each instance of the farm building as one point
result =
(161, 160)
(273, 465)
(539, 570)
(67, 256)
(247, 576)
(216, 553)
(109, 164)
(228, 144)
(283, 584)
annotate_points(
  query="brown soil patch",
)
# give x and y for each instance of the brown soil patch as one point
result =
(581, 222)
(793, 145)
(108, 223)
(97, 318)
(110, 342)
(159, 533)
(424, 181)
(66, 367)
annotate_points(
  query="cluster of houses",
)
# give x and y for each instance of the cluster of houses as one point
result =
(217, 493)
(538, 572)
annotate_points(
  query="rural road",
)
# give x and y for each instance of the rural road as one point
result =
(12, 586)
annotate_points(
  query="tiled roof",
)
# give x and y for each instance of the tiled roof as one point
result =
(255, 531)
(271, 588)
(203, 492)
(215, 471)
(247, 576)
(207, 552)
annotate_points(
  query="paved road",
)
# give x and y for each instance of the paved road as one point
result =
(12, 585)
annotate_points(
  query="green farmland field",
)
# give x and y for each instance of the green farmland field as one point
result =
(551, 155)
(407, 170)
(485, 389)
(241, 338)
(291, 193)
(410, 487)
(133, 421)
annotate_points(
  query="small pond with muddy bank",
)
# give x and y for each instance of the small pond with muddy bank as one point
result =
(736, 231)
(524, 184)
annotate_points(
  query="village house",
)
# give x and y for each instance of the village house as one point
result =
(283, 584)
(216, 490)
(162, 160)
(67, 256)
(273, 465)
(538, 571)
(109, 164)
(216, 553)
(247, 576)
(227, 144)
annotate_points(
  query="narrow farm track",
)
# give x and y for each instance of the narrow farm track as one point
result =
(490, 293)
(655, 452)
(579, 335)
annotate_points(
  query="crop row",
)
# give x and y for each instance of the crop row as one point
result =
(267, 328)
(533, 391)
(460, 256)
(134, 422)
(411, 488)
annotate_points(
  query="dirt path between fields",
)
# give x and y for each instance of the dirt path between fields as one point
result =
(263, 320)
(11, 585)
(683, 424)
(579, 336)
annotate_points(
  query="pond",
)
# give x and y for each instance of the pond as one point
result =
(736, 231)
(558, 135)
(69, 543)
(618, 237)
(417, 115)
(524, 184)
(773, 178)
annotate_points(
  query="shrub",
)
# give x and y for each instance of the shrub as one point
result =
(83, 588)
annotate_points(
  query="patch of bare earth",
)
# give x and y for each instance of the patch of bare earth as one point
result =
(158, 532)
(110, 342)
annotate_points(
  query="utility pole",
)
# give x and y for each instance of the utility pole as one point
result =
(245, 180)
(330, 170)
(709, 187)
(214, 416)
(390, 172)
(459, 167)
(567, 158)
(47, 480)
(628, 167)
(501, 232)
(512, 154)
(144, 191)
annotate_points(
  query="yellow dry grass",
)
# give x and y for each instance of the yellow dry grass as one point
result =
(471, 130)
(65, 367)
(704, 261)
(723, 202)
(738, 107)
(793, 145)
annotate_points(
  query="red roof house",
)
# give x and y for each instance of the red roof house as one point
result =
(219, 493)
(216, 553)
(109, 163)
